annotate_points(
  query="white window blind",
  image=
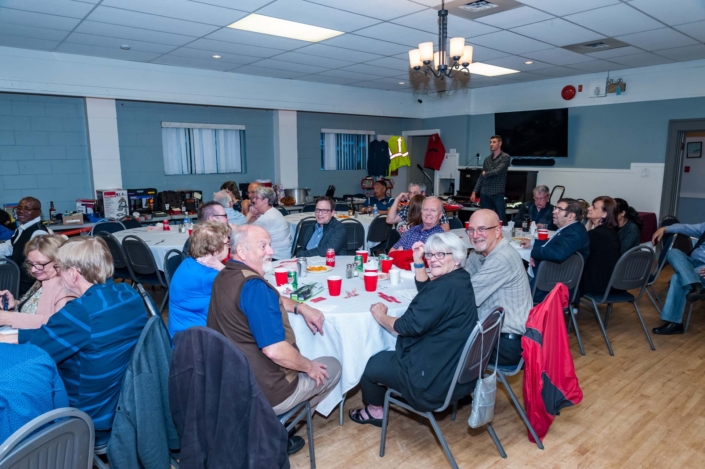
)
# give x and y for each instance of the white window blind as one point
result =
(202, 148)
(344, 149)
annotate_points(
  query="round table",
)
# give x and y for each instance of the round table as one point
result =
(525, 253)
(294, 218)
(159, 241)
(350, 333)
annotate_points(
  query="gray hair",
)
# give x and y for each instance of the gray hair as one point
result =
(448, 242)
(223, 198)
(422, 186)
(239, 235)
(266, 193)
(541, 189)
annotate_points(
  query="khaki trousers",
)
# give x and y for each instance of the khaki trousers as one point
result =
(306, 389)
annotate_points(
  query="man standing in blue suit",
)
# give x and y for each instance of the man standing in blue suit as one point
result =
(570, 238)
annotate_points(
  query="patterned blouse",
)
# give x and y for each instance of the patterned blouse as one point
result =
(30, 300)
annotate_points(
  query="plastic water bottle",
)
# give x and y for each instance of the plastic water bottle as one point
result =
(187, 223)
(374, 210)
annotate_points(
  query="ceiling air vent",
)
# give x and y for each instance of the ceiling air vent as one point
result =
(596, 46)
(479, 8)
(478, 5)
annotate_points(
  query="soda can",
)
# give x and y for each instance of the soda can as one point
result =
(303, 266)
(291, 279)
(330, 257)
(166, 225)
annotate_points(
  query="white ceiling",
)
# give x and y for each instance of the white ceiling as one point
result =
(378, 34)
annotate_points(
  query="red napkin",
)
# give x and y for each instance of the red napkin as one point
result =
(317, 300)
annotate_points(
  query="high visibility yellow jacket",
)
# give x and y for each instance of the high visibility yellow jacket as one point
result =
(398, 155)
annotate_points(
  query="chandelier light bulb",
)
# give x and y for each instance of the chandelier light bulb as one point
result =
(457, 44)
(426, 50)
(415, 59)
(467, 56)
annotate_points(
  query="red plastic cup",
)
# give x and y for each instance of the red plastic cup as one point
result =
(190, 231)
(370, 281)
(280, 275)
(543, 235)
(362, 253)
(335, 284)
(386, 265)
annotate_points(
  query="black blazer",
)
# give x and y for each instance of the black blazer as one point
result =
(334, 237)
(432, 334)
(605, 251)
(571, 239)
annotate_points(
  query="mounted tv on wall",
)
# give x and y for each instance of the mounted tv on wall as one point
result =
(533, 133)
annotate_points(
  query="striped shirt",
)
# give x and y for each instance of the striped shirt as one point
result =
(91, 340)
(500, 280)
(495, 177)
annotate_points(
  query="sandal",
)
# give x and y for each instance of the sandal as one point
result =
(356, 416)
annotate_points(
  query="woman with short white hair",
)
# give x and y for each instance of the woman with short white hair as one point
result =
(262, 214)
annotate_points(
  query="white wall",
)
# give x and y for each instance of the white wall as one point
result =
(103, 144)
(286, 154)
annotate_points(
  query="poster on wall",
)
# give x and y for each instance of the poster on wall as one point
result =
(695, 150)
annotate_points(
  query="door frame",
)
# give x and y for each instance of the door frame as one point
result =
(416, 133)
(673, 167)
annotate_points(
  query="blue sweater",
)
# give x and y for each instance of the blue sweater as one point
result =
(91, 340)
(190, 295)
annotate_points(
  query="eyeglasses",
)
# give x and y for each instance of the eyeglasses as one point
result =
(559, 209)
(221, 216)
(480, 230)
(23, 208)
(39, 267)
(437, 255)
(322, 210)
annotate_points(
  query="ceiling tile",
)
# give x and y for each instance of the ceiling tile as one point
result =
(289, 66)
(671, 12)
(37, 20)
(219, 47)
(558, 56)
(696, 30)
(392, 8)
(114, 43)
(109, 53)
(125, 32)
(596, 66)
(348, 74)
(151, 22)
(306, 59)
(51, 7)
(391, 63)
(393, 81)
(682, 54)
(641, 60)
(268, 72)
(615, 20)
(329, 80)
(243, 5)
(194, 63)
(618, 52)
(557, 72)
(483, 54)
(370, 70)
(364, 44)
(558, 32)
(27, 42)
(398, 34)
(510, 42)
(427, 20)
(322, 50)
(381, 86)
(567, 7)
(517, 63)
(200, 54)
(316, 15)
(256, 39)
(36, 33)
(656, 39)
(181, 9)
(515, 17)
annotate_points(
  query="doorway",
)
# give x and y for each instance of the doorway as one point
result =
(416, 143)
(683, 191)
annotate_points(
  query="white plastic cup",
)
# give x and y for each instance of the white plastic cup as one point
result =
(394, 276)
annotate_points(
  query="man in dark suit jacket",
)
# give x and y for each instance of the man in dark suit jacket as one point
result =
(570, 238)
(539, 210)
(327, 233)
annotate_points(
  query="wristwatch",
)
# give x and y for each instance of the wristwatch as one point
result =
(419, 266)
(296, 308)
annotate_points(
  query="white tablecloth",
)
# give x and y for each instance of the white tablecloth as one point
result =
(167, 240)
(525, 253)
(294, 218)
(351, 334)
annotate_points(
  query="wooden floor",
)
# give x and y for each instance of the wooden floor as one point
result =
(641, 408)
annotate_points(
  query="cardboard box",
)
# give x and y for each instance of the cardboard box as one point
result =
(113, 203)
(85, 206)
(74, 219)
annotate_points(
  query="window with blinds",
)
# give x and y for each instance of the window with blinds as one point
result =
(202, 148)
(344, 149)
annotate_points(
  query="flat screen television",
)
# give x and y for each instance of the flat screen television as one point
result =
(533, 133)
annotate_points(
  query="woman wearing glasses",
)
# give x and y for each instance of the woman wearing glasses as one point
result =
(430, 335)
(269, 218)
(46, 296)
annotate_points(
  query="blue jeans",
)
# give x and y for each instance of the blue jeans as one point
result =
(494, 202)
(684, 275)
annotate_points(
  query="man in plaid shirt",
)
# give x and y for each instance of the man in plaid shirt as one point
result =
(491, 184)
(430, 215)
(399, 215)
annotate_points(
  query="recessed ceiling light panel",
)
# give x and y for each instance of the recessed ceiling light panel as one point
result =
(125, 47)
(216, 56)
(284, 28)
(529, 62)
(487, 70)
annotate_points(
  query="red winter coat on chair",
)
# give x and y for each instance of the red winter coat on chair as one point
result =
(550, 383)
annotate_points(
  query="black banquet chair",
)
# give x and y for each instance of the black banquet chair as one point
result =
(303, 225)
(9, 276)
(141, 261)
(121, 268)
(455, 223)
(111, 226)
(172, 260)
(378, 232)
(309, 208)
(356, 235)
(130, 223)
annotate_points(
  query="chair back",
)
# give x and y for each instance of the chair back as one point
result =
(139, 257)
(10, 277)
(379, 230)
(309, 208)
(107, 226)
(119, 260)
(59, 439)
(283, 211)
(341, 207)
(304, 223)
(455, 223)
(356, 235)
(568, 273)
(558, 191)
(477, 351)
(130, 223)
(667, 243)
(394, 237)
(148, 301)
(172, 260)
(632, 271)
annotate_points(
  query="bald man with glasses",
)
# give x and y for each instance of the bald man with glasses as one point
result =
(29, 225)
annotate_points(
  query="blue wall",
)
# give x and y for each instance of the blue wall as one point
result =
(43, 150)
(141, 157)
(309, 125)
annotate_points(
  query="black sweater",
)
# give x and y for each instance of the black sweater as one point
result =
(605, 251)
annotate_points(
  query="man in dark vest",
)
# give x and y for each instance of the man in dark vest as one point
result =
(29, 225)
(251, 314)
